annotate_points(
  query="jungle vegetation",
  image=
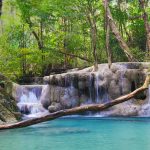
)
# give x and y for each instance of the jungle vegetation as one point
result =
(39, 36)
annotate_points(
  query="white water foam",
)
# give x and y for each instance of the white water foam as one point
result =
(29, 101)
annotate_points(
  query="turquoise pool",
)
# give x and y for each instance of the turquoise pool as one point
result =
(81, 134)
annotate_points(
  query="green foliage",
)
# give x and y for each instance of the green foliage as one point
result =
(64, 26)
(140, 55)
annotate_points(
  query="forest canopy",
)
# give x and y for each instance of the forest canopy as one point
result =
(37, 36)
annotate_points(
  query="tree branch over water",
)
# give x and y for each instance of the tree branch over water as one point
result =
(80, 109)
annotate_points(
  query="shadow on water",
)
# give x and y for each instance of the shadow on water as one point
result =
(52, 128)
(130, 119)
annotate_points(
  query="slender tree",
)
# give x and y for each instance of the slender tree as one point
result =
(117, 34)
(90, 14)
(107, 31)
(1, 3)
(144, 6)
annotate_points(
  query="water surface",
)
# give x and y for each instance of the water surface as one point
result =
(80, 134)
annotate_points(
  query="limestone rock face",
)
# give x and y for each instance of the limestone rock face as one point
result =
(45, 97)
(79, 87)
(125, 109)
(8, 108)
(114, 89)
(54, 107)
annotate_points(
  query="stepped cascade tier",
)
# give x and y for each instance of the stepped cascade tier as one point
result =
(29, 100)
(79, 87)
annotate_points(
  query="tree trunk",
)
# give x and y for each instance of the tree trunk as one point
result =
(39, 39)
(24, 60)
(81, 109)
(90, 13)
(143, 5)
(94, 37)
(42, 46)
(1, 3)
(118, 36)
(65, 30)
(107, 30)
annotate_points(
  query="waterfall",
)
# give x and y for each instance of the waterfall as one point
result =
(97, 87)
(29, 102)
(101, 85)
(101, 91)
(84, 87)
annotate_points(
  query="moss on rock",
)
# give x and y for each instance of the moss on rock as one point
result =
(8, 109)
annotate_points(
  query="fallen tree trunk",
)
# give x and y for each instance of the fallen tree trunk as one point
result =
(92, 107)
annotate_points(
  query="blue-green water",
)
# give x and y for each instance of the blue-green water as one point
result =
(81, 134)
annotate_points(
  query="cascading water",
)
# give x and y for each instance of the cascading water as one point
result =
(97, 88)
(90, 86)
(76, 89)
(29, 101)
(101, 92)
(101, 89)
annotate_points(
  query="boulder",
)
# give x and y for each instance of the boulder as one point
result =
(9, 112)
(114, 89)
(45, 96)
(54, 107)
